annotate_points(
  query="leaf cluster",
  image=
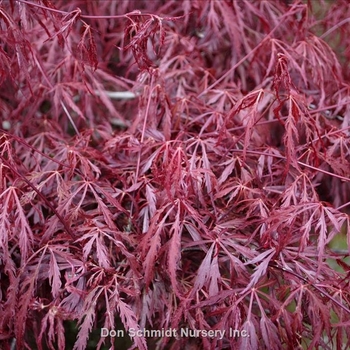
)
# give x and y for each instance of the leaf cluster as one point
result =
(175, 164)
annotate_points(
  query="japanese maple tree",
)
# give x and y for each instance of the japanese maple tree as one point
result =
(174, 165)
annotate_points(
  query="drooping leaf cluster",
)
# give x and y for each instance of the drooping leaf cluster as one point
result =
(175, 165)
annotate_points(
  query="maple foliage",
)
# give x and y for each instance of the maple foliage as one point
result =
(174, 165)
